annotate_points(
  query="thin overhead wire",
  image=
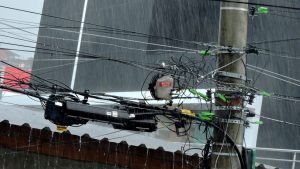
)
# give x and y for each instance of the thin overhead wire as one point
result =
(275, 77)
(260, 4)
(126, 40)
(285, 56)
(275, 41)
(265, 70)
(102, 43)
(103, 26)
(278, 120)
(286, 16)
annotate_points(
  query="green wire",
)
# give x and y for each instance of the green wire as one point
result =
(206, 116)
(204, 52)
(263, 10)
(222, 97)
(266, 94)
(199, 94)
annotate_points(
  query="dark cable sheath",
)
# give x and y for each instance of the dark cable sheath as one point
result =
(276, 41)
(107, 27)
(23, 92)
(243, 166)
(261, 4)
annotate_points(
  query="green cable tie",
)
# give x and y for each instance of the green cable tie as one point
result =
(266, 94)
(204, 52)
(263, 10)
(206, 116)
(222, 97)
(259, 122)
(199, 94)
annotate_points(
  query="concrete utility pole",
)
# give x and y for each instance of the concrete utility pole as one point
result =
(232, 33)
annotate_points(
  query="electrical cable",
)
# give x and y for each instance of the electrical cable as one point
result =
(285, 16)
(97, 25)
(278, 121)
(275, 41)
(260, 4)
(278, 55)
(229, 139)
(106, 44)
(185, 69)
(264, 70)
(275, 77)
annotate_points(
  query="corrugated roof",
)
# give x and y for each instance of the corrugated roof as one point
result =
(86, 149)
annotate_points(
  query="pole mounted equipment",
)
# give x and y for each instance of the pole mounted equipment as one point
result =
(233, 34)
(161, 87)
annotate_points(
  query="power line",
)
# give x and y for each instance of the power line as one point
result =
(107, 27)
(284, 11)
(126, 40)
(285, 16)
(277, 120)
(270, 53)
(260, 4)
(275, 77)
(265, 70)
(56, 47)
(180, 49)
(275, 41)
(71, 54)
(115, 38)
(103, 43)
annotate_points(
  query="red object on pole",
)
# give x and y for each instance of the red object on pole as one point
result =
(16, 78)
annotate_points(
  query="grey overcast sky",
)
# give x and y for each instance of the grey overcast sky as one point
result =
(6, 17)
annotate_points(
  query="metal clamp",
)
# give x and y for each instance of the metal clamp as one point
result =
(224, 154)
(232, 121)
(229, 89)
(231, 75)
(226, 144)
(226, 108)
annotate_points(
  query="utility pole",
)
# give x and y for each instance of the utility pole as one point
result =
(232, 33)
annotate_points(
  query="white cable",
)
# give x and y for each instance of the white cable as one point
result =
(127, 40)
(265, 70)
(284, 56)
(119, 46)
(225, 133)
(228, 64)
(109, 44)
(67, 64)
(154, 44)
(296, 84)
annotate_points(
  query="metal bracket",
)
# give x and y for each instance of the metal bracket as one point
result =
(230, 50)
(226, 144)
(223, 108)
(229, 89)
(231, 75)
(224, 154)
(232, 121)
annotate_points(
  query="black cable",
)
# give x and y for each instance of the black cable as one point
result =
(229, 139)
(88, 55)
(97, 25)
(29, 73)
(275, 41)
(285, 16)
(261, 4)
(64, 52)
(23, 92)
